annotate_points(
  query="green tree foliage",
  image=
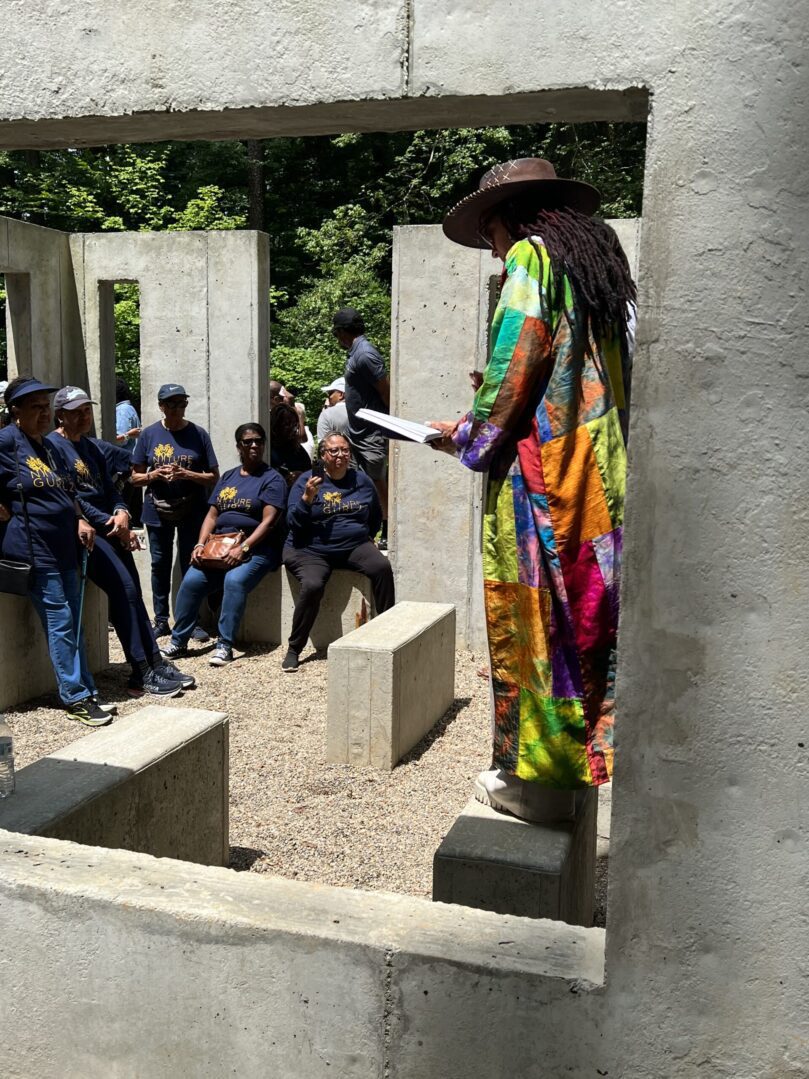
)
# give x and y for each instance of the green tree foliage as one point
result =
(330, 206)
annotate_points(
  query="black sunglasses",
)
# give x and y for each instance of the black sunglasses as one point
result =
(252, 441)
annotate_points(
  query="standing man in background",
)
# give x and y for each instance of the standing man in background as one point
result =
(334, 416)
(367, 386)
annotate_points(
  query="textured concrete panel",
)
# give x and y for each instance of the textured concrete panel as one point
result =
(155, 781)
(497, 862)
(254, 975)
(25, 666)
(390, 681)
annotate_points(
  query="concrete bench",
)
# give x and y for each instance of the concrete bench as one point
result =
(346, 604)
(155, 782)
(389, 682)
(496, 862)
(25, 666)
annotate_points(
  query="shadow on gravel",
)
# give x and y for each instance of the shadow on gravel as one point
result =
(437, 732)
(244, 857)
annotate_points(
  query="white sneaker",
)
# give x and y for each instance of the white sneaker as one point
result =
(524, 799)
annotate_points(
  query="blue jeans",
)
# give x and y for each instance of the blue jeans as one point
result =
(55, 596)
(237, 584)
(161, 549)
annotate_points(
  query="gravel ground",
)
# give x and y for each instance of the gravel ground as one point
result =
(290, 813)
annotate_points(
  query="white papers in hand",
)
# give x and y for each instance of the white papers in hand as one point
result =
(395, 427)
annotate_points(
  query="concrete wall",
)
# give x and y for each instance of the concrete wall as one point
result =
(709, 856)
(127, 965)
(443, 299)
(204, 302)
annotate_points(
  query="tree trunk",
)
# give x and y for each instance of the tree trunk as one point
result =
(255, 185)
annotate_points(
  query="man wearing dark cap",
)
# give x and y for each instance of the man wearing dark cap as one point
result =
(367, 386)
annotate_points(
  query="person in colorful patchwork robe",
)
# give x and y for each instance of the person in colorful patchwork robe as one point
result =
(548, 425)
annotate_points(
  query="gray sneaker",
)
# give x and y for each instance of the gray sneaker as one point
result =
(157, 685)
(168, 670)
(221, 655)
(172, 650)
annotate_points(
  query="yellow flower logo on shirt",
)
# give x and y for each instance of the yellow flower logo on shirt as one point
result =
(82, 471)
(226, 494)
(37, 467)
(163, 453)
(334, 497)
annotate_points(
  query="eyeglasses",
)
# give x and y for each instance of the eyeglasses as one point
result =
(337, 453)
(252, 441)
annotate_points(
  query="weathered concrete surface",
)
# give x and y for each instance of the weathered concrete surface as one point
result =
(25, 666)
(347, 602)
(155, 781)
(235, 973)
(204, 300)
(496, 862)
(42, 311)
(390, 681)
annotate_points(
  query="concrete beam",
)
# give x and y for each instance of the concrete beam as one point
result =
(155, 781)
(390, 681)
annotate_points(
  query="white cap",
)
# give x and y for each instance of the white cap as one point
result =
(338, 384)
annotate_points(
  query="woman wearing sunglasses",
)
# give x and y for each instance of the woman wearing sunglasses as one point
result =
(249, 499)
(174, 462)
(333, 515)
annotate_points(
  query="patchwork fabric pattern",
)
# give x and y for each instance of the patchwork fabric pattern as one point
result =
(546, 426)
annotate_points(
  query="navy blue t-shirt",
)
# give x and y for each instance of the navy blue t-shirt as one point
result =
(344, 514)
(191, 448)
(240, 501)
(92, 482)
(47, 487)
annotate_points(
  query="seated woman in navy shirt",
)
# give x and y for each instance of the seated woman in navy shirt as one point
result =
(111, 566)
(249, 499)
(333, 515)
(44, 524)
(174, 462)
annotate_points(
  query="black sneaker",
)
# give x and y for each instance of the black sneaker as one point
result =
(157, 685)
(110, 709)
(168, 670)
(290, 663)
(88, 713)
(161, 628)
(172, 650)
(221, 655)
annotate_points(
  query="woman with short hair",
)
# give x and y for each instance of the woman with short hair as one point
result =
(548, 426)
(45, 528)
(249, 499)
(175, 463)
(333, 515)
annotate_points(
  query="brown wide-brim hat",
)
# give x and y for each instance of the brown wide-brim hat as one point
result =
(511, 178)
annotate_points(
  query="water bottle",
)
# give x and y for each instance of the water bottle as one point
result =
(6, 760)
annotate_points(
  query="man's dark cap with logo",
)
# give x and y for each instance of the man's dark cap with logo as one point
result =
(70, 397)
(29, 385)
(347, 318)
(171, 389)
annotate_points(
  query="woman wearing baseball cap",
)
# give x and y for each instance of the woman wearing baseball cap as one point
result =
(175, 463)
(548, 425)
(111, 566)
(44, 523)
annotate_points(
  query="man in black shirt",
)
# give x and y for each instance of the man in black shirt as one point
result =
(367, 386)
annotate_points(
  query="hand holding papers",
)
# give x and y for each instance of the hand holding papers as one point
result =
(395, 427)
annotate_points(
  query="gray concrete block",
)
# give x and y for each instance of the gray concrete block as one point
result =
(497, 862)
(25, 666)
(155, 782)
(389, 683)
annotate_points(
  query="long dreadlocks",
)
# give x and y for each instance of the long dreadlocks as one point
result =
(586, 251)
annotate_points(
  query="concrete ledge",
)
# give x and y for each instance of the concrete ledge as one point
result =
(496, 862)
(25, 666)
(390, 681)
(253, 975)
(155, 781)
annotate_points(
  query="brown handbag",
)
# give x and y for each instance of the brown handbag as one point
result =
(215, 549)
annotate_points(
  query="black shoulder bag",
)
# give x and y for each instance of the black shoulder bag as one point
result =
(15, 577)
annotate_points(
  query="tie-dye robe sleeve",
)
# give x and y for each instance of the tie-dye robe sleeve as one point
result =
(520, 359)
